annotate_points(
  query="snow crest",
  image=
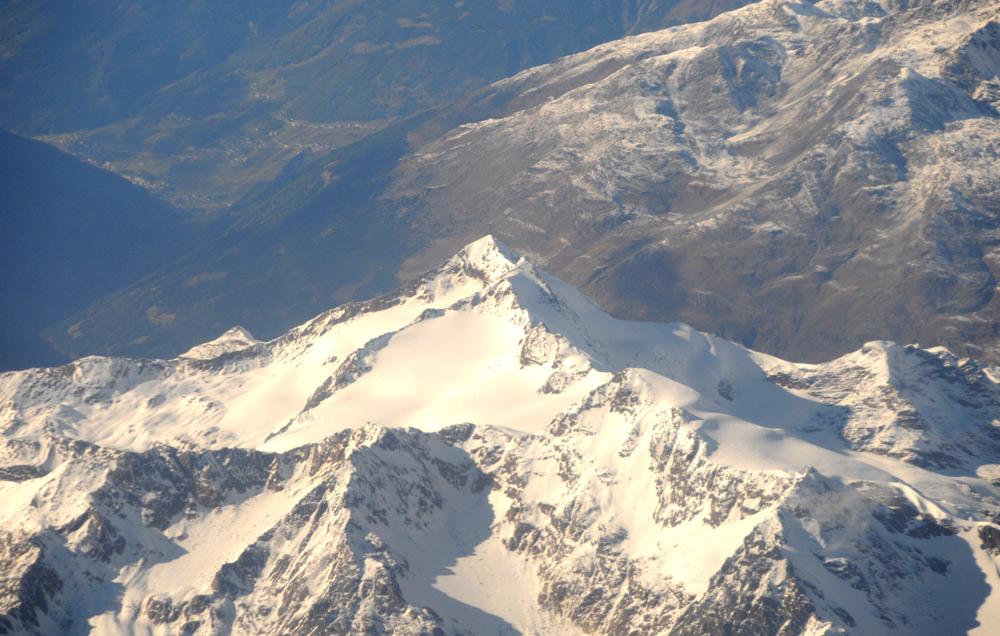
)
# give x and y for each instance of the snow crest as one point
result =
(486, 450)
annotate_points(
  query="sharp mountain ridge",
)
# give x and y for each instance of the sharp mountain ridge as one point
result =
(486, 451)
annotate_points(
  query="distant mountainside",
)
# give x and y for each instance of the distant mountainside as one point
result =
(486, 451)
(71, 234)
(204, 100)
(799, 177)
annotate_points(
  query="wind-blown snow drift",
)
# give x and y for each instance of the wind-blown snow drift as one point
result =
(485, 451)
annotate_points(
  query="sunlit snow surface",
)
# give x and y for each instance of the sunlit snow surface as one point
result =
(490, 340)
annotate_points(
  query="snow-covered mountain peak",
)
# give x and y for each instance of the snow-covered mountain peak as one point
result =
(928, 408)
(476, 266)
(426, 355)
(235, 339)
(486, 450)
(487, 258)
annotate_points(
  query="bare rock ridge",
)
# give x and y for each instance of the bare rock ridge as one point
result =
(486, 451)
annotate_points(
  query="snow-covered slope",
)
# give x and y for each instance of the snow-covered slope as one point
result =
(486, 451)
